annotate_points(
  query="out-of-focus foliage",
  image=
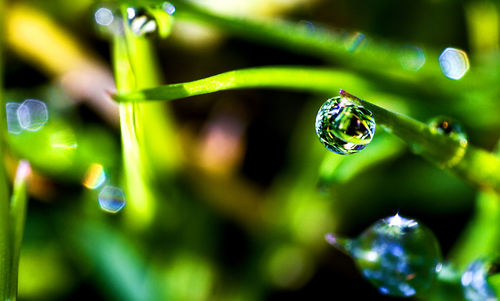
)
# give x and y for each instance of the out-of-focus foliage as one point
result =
(229, 195)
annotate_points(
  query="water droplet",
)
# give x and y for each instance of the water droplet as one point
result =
(344, 127)
(94, 177)
(141, 22)
(397, 255)
(13, 125)
(104, 16)
(448, 127)
(32, 114)
(169, 8)
(411, 58)
(111, 199)
(476, 280)
(454, 63)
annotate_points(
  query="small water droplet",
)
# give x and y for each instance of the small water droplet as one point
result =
(111, 199)
(344, 127)
(32, 114)
(448, 127)
(141, 22)
(476, 280)
(454, 63)
(169, 8)
(13, 125)
(397, 255)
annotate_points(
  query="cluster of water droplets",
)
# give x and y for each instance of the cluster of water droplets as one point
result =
(31, 115)
(399, 256)
(111, 198)
(343, 126)
(141, 21)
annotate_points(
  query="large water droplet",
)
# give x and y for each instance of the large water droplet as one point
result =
(454, 63)
(32, 114)
(477, 280)
(344, 127)
(397, 255)
(111, 199)
(141, 22)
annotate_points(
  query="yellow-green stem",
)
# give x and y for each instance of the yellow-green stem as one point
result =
(5, 240)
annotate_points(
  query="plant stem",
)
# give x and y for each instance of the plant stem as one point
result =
(5, 239)
(137, 186)
(477, 166)
(147, 133)
(18, 206)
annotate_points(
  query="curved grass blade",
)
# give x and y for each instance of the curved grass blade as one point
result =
(477, 166)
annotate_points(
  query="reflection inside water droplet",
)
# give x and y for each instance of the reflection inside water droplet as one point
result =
(111, 199)
(13, 125)
(32, 114)
(397, 255)
(344, 127)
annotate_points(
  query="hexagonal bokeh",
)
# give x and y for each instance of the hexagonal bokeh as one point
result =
(111, 199)
(454, 63)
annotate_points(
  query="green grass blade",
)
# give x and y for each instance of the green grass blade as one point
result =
(18, 208)
(475, 165)
(5, 248)
(287, 77)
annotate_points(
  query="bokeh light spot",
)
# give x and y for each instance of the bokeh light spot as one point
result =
(454, 63)
(111, 199)
(32, 114)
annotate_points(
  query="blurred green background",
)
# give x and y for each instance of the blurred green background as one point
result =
(243, 191)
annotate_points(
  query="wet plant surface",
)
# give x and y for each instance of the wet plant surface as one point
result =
(202, 150)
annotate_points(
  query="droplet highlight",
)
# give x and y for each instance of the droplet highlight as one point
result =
(477, 280)
(454, 63)
(141, 22)
(397, 255)
(32, 114)
(111, 199)
(344, 127)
